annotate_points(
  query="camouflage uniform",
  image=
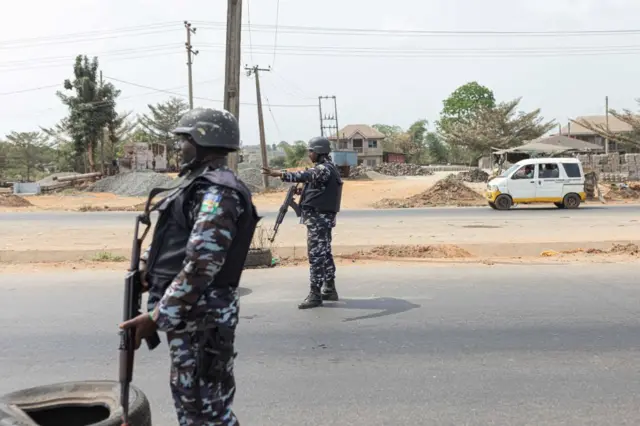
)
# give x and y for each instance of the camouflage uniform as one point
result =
(191, 304)
(319, 227)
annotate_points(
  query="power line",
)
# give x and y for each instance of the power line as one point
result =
(66, 62)
(294, 29)
(31, 90)
(249, 26)
(91, 35)
(275, 37)
(394, 52)
(99, 54)
(206, 99)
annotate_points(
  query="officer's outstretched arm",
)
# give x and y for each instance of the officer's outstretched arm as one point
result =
(318, 173)
(214, 229)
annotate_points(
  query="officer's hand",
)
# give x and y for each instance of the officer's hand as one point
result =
(270, 172)
(143, 325)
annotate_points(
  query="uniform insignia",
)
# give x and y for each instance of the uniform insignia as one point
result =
(210, 203)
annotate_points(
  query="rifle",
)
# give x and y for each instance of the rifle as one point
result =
(288, 202)
(132, 303)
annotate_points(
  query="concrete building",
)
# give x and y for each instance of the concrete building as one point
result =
(141, 156)
(364, 140)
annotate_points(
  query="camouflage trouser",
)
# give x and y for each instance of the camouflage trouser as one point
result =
(199, 402)
(321, 264)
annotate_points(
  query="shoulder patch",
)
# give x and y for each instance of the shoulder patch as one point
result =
(210, 203)
(321, 166)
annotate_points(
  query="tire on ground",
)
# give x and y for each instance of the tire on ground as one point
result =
(503, 202)
(94, 403)
(571, 201)
(258, 258)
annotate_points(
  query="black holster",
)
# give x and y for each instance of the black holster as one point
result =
(216, 353)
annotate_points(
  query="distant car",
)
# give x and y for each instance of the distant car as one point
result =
(539, 180)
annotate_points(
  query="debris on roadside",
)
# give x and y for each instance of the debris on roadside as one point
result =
(623, 191)
(391, 169)
(616, 249)
(11, 200)
(252, 177)
(132, 184)
(450, 191)
(445, 251)
(474, 175)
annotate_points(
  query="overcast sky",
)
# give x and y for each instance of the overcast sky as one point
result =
(142, 42)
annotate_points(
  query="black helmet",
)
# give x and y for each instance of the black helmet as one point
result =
(320, 145)
(210, 128)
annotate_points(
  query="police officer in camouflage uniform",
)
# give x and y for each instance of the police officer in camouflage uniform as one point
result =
(320, 203)
(193, 267)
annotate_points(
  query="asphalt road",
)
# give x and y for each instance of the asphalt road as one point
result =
(475, 213)
(408, 345)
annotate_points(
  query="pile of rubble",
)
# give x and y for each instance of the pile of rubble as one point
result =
(390, 169)
(474, 175)
(132, 184)
(11, 200)
(623, 191)
(450, 191)
(445, 251)
(251, 175)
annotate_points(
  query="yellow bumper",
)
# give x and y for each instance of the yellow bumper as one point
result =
(492, 195)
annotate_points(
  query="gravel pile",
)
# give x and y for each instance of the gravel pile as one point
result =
(450, 191)
(402, 169)
(132, 184)
(251, 175)
(390, 169)
(474, 175)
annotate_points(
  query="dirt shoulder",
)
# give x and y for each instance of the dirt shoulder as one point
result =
(357, 194)
(382, 192)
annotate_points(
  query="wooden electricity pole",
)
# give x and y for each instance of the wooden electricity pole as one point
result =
(255, 70)
(190, 52)
(232, 67)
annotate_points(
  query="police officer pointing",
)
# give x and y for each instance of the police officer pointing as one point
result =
(320, 203)
(193, 268)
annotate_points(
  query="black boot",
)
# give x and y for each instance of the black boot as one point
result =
(313, 300)
(329, 291)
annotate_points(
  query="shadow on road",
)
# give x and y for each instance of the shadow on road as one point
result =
(243, 291)
(385, 306)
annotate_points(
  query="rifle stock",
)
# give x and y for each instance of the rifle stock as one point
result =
(133, 290)
(288, 202)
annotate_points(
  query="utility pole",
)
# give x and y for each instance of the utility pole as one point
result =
(255, 70)
(190, 52)
(606, 140)
(232, 67)
(324, 118)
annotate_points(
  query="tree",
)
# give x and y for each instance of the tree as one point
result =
(295, 154)
(629, 139)
(162, 120)
(413, 143)
(464, 103)
(498, 127)
(437, 151)
(28, 152)
(277, 162)
(90, 109)
(393, 136)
